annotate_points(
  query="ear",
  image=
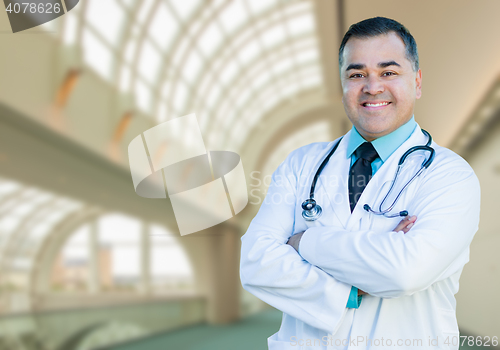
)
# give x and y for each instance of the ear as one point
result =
(418, 84)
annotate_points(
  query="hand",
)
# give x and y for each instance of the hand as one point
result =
(406, 224)
(295, 240)
(360, 292)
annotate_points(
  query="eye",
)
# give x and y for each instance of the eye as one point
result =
(388, 74)
(356, 75)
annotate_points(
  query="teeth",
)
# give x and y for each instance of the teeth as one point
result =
(376, 104)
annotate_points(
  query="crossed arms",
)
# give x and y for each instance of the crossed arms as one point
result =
(404, 225)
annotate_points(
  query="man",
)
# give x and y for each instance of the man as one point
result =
(353, 279)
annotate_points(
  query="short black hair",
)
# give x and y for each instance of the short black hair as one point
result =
(377, 26)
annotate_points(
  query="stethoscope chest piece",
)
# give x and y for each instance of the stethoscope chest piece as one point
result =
(311, 210)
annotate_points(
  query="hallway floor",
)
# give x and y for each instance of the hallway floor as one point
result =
(248, 334)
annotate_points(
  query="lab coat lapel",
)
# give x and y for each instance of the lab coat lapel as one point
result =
(382, 179)
(333, 181)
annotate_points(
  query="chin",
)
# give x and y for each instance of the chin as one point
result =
(375, 128)
(376, 132)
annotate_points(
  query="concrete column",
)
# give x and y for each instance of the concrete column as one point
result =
(93, 285)
(224, 282)
(145, 260)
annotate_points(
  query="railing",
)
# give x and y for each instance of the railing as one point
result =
(66, 328)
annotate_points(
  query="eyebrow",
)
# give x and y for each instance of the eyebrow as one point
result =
(380, 65)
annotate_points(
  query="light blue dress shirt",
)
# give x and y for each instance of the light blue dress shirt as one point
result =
(385, 146)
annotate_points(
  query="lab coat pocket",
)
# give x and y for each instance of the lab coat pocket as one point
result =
(450, 336)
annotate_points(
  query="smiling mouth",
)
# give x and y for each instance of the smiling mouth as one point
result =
(378, 104)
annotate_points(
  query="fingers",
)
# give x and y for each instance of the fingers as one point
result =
(406, 224)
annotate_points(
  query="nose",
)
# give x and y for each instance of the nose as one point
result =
(373, 86)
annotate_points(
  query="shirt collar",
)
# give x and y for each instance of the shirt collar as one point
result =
(386, 144)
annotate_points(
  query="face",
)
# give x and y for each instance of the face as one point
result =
(379, 85)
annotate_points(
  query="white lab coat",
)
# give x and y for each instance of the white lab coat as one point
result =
(411, 278)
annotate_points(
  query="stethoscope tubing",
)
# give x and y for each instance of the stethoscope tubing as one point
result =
(312, 211)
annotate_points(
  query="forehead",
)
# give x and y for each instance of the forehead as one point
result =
(370, 51)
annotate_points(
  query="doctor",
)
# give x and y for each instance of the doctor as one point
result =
(353, 279)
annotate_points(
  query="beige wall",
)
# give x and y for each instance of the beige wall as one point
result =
(477, 304)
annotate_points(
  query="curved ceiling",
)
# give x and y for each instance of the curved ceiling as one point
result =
(231, 61)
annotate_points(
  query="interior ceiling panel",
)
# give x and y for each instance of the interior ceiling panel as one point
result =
(457, 44)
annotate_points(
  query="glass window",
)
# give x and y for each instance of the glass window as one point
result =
(228, 73)
(181, 94)
(274, 35)
(300, 25)
(192, 67)
(261, 79)
(106, 17)
(144, 10)
(258, 6)
(143, 96)
(161, 115)
(70, 271)
(170, 266)
(119, 242)
(184, 8)
(307, 56)
(149, 62)
(233, 16)
(179, 54)
(97, 55)
(210, 40)
(249, 52)
(282, 65)
(70, 28)
(125, 79)
(289, 90)
(128, 3)
(297, 7)
(213, 95)
(130, 49)
(163, 27)
(311, 81)
(7, 187)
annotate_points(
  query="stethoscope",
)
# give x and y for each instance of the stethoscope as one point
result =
(312, 211)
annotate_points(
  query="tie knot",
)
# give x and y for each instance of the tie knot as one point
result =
(367, 151)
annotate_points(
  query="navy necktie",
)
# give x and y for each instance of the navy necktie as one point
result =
(361, 172)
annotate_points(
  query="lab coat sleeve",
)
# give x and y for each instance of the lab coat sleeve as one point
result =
(275, 273)
(394, 264)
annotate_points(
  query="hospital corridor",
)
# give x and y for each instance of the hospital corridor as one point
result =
(87, 263)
